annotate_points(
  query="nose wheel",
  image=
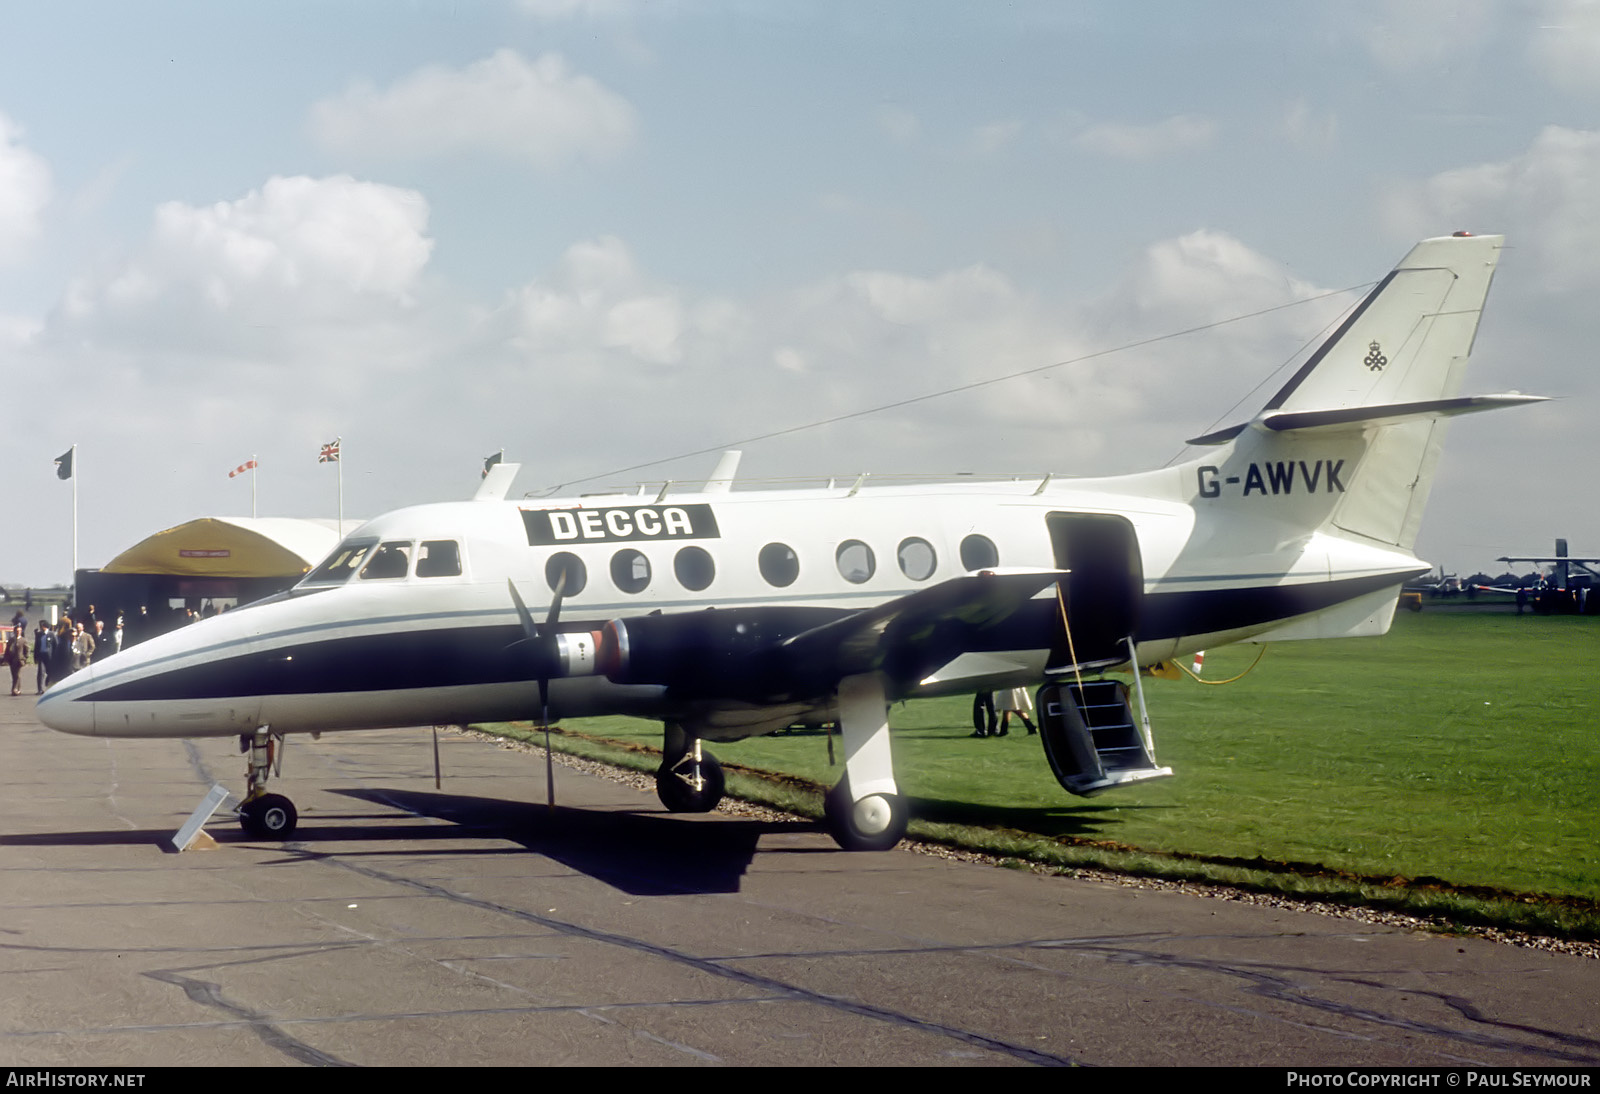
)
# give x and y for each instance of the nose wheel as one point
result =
(693, 783)
(271, 816)
(263, 815)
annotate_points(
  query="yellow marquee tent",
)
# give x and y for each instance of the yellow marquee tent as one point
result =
(247, 547)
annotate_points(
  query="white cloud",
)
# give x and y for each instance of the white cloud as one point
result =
(1223, 370)
(541, 112)
(24, 190)
(258, 270)
(1205, 276)
(1179, 133)
(1565, 45)
(1547, 201)
(598, 310)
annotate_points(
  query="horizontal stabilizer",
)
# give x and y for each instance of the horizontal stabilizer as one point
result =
(1387, 414)
(1394, 412)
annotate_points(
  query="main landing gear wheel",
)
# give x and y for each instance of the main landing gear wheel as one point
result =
(675, 783)
(875, 823)
(271, 816)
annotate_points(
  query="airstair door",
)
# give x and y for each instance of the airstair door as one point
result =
(1105, 589)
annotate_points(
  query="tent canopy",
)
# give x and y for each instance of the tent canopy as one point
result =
(264, 547)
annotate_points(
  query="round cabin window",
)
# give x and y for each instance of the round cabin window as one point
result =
(566, 573)
(917, 558)
(779, 564)
(694, 568)
(979, 553)
(855, 561)
(630, 570)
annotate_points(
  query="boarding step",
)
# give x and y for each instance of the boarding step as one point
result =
(1091, 736)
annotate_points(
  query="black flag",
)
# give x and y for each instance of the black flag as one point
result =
(492, 460)
(64, 464)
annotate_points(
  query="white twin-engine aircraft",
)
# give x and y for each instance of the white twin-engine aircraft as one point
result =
(728, 614)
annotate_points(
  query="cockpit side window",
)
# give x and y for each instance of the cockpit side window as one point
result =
(340, 566)
(391, 560)
(439, 558)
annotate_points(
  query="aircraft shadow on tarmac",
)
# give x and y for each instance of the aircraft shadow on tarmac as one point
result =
(642, 854)
(116, 837)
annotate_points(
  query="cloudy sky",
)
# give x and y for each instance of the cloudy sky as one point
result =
(602, 232)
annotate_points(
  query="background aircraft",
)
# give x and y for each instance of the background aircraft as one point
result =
(1559, 590)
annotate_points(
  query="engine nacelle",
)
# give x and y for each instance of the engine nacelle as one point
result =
(577, 653)
(731, 653)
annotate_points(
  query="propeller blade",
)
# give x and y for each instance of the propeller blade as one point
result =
(549, 767)
(555, 600)
(530, 629)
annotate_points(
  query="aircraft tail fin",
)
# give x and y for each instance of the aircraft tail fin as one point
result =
(1353, 438)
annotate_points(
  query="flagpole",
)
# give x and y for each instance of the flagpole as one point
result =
(339, 460)
(74, 524)
(255, 468)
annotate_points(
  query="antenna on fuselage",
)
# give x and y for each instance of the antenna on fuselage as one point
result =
(496, 482)
(721, 480)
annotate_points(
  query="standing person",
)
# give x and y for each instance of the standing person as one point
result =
(82, 647)
(983, 716)
(1015, 701)
(61, 650)
(43, 655)
(16, 656)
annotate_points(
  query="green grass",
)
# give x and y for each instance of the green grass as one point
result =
(1455, 755)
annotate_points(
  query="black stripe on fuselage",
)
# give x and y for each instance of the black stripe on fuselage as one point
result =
(479, 655)
(396, 660)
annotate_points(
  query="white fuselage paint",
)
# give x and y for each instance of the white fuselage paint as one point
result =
(1186, 547)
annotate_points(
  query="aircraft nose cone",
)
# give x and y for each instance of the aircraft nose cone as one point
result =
(61, 709)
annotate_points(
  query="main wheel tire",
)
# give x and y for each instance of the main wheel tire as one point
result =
(271, 816)
(679, 796)
(875, 823)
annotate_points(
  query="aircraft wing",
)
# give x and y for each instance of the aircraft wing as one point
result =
(766, 655)
(911, 636)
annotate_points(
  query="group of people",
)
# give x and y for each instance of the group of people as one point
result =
(57, 650)
(992, 712)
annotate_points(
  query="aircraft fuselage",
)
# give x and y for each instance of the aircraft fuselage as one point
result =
(360, 650)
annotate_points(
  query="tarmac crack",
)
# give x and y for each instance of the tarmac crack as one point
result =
(1271, 983)
(771, 985)
(209, 994)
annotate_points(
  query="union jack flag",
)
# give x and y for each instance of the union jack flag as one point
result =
(247, 465)
(330, 452)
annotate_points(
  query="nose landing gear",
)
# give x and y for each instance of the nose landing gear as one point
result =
(689, 779)
(263, 815)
